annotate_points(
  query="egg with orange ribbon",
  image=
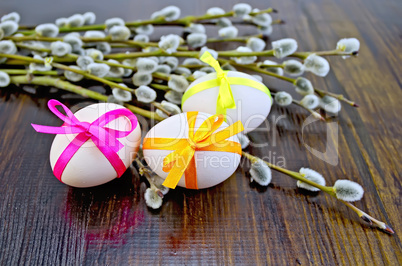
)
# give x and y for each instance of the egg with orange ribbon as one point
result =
(234, 94)
(195, 150)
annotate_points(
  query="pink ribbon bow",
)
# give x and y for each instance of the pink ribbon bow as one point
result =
(104, 138)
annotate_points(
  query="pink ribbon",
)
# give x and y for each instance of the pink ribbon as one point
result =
(104, 138)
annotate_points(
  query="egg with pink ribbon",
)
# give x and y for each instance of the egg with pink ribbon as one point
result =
(234, 94)
(94, 145)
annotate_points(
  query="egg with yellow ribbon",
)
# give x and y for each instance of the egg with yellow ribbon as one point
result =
(194, 150)
(236, 95)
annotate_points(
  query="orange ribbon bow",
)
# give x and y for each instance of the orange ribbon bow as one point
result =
(181, 160)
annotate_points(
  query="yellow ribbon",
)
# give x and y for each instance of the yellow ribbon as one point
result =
(225, 97)
(181, 160)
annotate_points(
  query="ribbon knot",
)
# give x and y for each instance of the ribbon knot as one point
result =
(225, 97)
(205, 138)
(85, 126)
(106, 139)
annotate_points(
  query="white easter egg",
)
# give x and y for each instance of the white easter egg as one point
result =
(252, 105)
(89, 167)
(212, 167)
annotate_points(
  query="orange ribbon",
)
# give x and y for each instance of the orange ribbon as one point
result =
(181, 160)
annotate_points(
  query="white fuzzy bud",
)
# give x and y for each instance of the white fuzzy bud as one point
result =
(196, 39)
(263, 19)
(195, 28)
(152, 199)
(244, 59)
(173, 96)
(284, 47)
(192, 62)
(211, 51)
(169, 43)
(310, 101)
(177, 83)
(317, 65)
(348, 190)
(119, 33)
(98, 69)
(94, 53)
(46, 66)
(122, 95)
(170, 13)
(4, 79)
(146, 65)
(224, 22)
(312, 176)
(261, 173)
(256, 44)
(165, 69)
(303, 86)
(84, 61)
(241, 9)
(330, 104)
(173, 109)
(293, 67)
(276, 70)
(114, 71)
(74, 41)
(109, 23)
(213, 11)
(104, 47)
(198, 74)
(171, 61)
(7, 47)
(141, 38)
(283, 98)
(13, 16)
(47, 30)
(244, 140)
(9, 27)
(228, 32)
(61, 22)
(76, 20)
(72, 76)
(89, 18)
(141, 78)
(348, 45)
(94, 34)
(183, 71)
(266, 30)
(145, 29)
(145, 94)
(60, 49)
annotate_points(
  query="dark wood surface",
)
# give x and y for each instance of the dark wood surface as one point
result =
(44, 222)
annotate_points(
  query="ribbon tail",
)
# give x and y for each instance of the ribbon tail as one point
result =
(225, 98)
(178, 168)
(191, 175)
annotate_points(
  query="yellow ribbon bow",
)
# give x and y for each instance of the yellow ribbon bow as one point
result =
(181, 160)
(225, 96)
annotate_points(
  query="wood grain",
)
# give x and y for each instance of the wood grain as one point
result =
(43, 222)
